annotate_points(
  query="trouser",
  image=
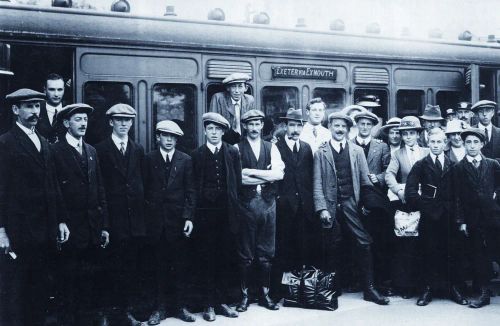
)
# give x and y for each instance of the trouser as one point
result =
(291, 245)
(24, 287)
(433, 245)
(481, 264)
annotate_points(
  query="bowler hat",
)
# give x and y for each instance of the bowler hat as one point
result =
(410, 122)
(432, 113)
(293, 115)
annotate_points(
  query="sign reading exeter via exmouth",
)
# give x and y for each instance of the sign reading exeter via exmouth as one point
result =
(304, 72)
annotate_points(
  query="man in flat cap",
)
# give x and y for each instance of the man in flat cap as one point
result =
(340, 170)
(465, 113)
(372, 104)
(170, 203)
(32, 216)
(478, 189)
(121, 162)
(430, 119)
(485, 111)
(54, 93)
(313, 132)
(82, 186)
(262, 167)
(233, 103)
(295, 223)
(217, 174)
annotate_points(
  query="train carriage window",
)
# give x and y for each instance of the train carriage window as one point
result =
(101, 95)
(334, 98)
(409, 102)
(176, 102)
(214, 88)
(382, 96)
(447, 100)
(276, 100)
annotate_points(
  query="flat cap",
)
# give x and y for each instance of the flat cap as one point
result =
(212, 117)
(456, 126)
(121, 110)
(369, 101)
(25, 95)
(293, 115)
(340, 115)
(353, 109)
(483, 104)
(237, 77)
(170, 127)
(410, 122)
(464, 106)
(252, 115)
(366, 115)
(432, 113)
(71, 109)
(473, 131)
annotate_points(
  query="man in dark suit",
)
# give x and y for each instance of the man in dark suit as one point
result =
(430, 119)
(30, 211)
(48, 125)
(477, 208)
(81, 183)
(340, 171)
(294, 204)
(485, 110)
(170, 203)
(217, 175)
(232, 104)
(433, 176)
(121, 163)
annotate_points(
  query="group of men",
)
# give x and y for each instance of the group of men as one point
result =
(293, 202)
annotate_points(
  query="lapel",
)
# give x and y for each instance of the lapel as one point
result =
(404, 160)
(228, 162)
(69, 152)
(482, 167)
(352, 157)
(132, 158)
(372, 151)
(90, 158)
(327, 150)
(447, 164)
(173, 168)
(281, 144)
(432, 166)
(229, 105)
(302, 152)
(111, 149)
(28, 145)
(471, 170)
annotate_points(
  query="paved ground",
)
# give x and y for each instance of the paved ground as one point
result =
(353, 311)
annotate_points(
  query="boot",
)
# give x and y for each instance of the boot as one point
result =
(482, 300)
(425, 298)
(265, 280)
(457, 296)
(366, 264)
(243, 305)
(266, 301)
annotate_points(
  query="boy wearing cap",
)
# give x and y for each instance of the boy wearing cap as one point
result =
(232, 104)
(485, 111)
(121, 162)
(261, 166)
(477, 208)
(217, 174)
(30, 211)
(430, 119)
(340, 170)
(170, 202)
(313, 132)
(81, 183)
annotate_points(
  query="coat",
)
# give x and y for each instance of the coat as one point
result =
(492, 148)
(399, 168)
(325, 178)
(451, 155)
(30, 199)
(233, 179)
(169, 203)
(53, 132)
(83, 194)
(124, 188)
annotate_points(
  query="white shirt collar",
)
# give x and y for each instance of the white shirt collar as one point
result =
(336, 144)
(73, 141)
(118, 141)
(213, 147)
(235, 102)
(27, 131)
(477, 158)
(52, 109)
(440, 157)
(366, 140)
(291, 143)
(481, 126)
(415, 148)
(164, 154)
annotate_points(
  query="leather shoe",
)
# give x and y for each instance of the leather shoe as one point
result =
(156, 317)
(425, 298)
(243, 305)
(209, 314)
(226, 311)
(457, 297)
(372, 295)
(482, 300)
(266, 302)
(185, 315)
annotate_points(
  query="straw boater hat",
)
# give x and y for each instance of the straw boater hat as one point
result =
(455, 126)
(369, 101)
(410, 123)
(391, 123)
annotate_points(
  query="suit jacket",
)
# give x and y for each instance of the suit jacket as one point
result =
(297, 184)
(124, 188)
(53, 132)
(451, 155)
(168, 202)
(233, 179)
(475, 187)
(492, 148)
(377, 159)
(433, 203)
(222, 104)
(399, 168)
(30, 198)
(325, 177)
(83, 194)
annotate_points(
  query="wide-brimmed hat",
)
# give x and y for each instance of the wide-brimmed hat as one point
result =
(293, 115)
(340, 115)
(456, 126)
(391, 123)
(431, 113)
(410, 123)
(473, 131)
(348, 110)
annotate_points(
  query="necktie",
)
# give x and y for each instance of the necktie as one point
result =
(487, 139)
(412, 155)
(295, 149)
(476, 163)
(438, 164)
(167, 159)
(341, 148)
(315, 132)
(122, 148)
(79, 148)
(54, 117)
(216, 151)
(237, 112)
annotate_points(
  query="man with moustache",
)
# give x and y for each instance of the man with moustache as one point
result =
(456, 149)
(31, 214)
(121, 162)
(313, 132)
(430, 119)
(217, 175)
(464, 113)
(261, 167)
(233, 103)
(54, 93)
(340, 170)
(81, 183)
(295, 245)
(485, 111)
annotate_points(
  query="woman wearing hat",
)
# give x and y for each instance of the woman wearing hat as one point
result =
(390, 134)
(402, 160)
